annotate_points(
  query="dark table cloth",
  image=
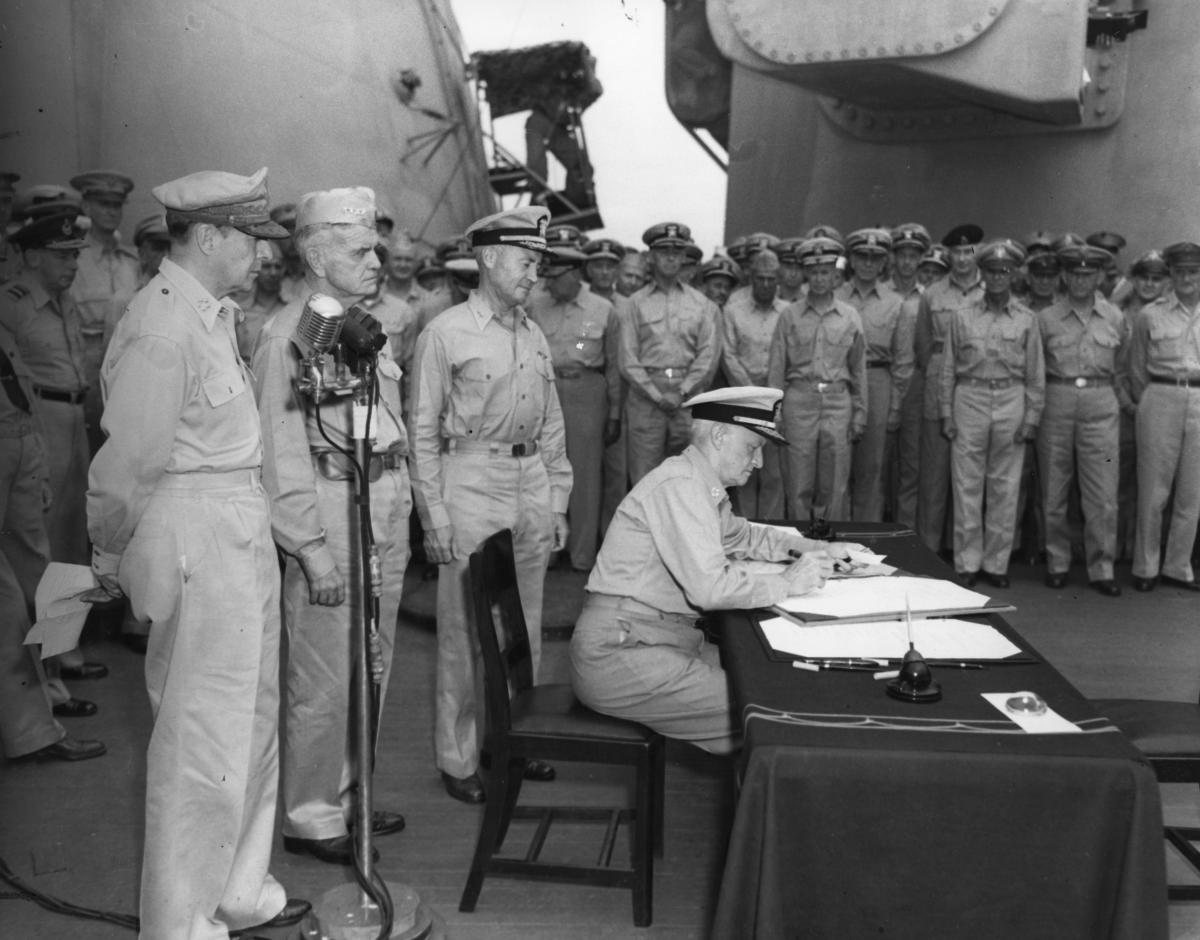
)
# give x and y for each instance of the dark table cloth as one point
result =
(863, 816)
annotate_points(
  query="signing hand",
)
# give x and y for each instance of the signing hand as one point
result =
(809, 573)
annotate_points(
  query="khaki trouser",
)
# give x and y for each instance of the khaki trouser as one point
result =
(1168, 452)
(483, 494)
(318, 749)
(866, 466)
(985, 472)
(1079, 438)
(817, 427)
(201, 567)
(654, 435)
(904, 463)
(933, 493)
(616, 475)
(584, 401)
(1127, 488)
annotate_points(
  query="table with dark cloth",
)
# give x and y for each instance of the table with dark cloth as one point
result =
(862, 816)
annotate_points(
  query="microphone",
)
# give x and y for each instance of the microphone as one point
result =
(361, 333)
(317, 332)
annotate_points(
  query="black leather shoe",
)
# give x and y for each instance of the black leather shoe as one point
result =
(293, 912)
(136, 642)
(338, 850)
(1056, 580)
(968, 578)
(539, 770)
(1143, 584)
(75, 708)
(1179, 583)
(466, 789)
(84, 671)
(1107, 587)
(384, 823)
(996, 580)
(68, 749)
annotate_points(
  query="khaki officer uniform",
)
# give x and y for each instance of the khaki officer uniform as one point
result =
(1079, 433)
(937, 306)
(399, 318)
(178, 512)
(312, 489)
(1164, 371)
(584, 336)
(889, 341)
(745, 356)
(488, 453)
(992, 385)
(670, 343)
(818, 358)
(637, 652)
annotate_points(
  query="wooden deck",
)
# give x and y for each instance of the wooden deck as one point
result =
(74, 830)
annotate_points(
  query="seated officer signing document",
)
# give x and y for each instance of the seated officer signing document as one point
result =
(668, 556)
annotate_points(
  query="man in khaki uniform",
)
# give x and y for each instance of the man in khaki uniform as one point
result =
(992, 394)
(488, 453)
(181, 525)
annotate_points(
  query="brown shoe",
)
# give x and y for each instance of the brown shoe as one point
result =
(465, 789)
(75, 708)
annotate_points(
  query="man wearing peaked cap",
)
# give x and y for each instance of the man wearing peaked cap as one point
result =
(1042, 276)
(825, 231)
(937, 306)
(719, 277)
(690, 270)
(1113, 284)
(670, 349)
(1164, 374)
(910, 241)
(180, 468)
(488, 452)
(668, 557)
(935, 265)
(10, 257)
(564, 236)
(45, 197)
(600, 270)
(791, 274)
(312, 491)
(152, 241)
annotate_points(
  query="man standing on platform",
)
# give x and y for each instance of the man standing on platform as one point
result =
(819, 358)
(181, 524)
(889, 339)
(583, 333)
(937, 307)
(992, 392)
(1078, 440)
(311, 485)
(670, 349)
(749, 322)
(488, 453)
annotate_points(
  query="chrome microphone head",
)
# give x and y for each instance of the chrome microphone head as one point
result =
(320, 325)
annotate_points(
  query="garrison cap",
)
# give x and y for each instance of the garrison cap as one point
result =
(1068, 240)
(937, 256)
(1182, 253)
(347, 205)
(522, 227)
(103, 183)
(1043, 262)
(56, 231)
(1084, 258)
(869, 241)
(8, 180)
(999, 254)
(1109, 241)
(693, 253)
(599, 248)
(824, 231)
(1152, 262)
(911, 235)
(152, 226)
(720, 267)
(667, 235)
(45, 197)
(220, 198)
(754, 407)
(1039, 242)
(962, 235)
(820, 250)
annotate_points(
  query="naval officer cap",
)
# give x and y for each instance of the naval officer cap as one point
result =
(754, 407)
(1039, 242)
(1068, 240)
(599, 248)
(103, 183)
(1109, 241)
(346, 205)
(820, 250)
(693, 253)
(219, 198)
(1084, 259)
(963, 235)
(1182, 253)
(825, 231)
(720, 267)
(937, 256)
(1152, 262)
(43, 198)
(869, 241)
(788, 251)
(911, 235)
(522, 227)
(563, 242)
(667, 235)
(1003, 254)
(1043, 263)
(62, 230)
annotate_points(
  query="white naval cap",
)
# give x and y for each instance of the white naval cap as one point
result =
(754, 407)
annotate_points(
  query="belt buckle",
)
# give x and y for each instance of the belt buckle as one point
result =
(669, 372)
(1081, 382)
(518, 450)
(822, 386)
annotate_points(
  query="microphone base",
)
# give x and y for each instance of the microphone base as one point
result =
(905, 691)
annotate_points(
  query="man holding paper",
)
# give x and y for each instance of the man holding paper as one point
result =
(668, 556)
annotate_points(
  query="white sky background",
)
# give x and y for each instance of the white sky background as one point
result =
(648, 168)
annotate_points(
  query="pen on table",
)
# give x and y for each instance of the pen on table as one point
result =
(837, 667)
(893, 673)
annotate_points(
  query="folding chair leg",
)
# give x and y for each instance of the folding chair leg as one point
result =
(644, 827)
(491, 831)
(659, 769)
(515, 770)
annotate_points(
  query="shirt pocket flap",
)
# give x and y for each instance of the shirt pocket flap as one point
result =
(223, 387)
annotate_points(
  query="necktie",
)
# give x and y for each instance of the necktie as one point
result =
(12, 387)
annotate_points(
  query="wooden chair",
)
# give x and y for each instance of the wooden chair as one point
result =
(546, 722)
(1168, 734)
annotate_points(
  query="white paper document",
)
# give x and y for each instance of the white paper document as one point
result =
(60, 612)
(857, 597)
(888, 639)
(1048, 722)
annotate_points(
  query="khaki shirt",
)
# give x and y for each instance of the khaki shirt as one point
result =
(911, 293)
(478, 379)
(256, 312)
(996, 346)
(676, 330)
(14, 420)
(746, 343)
(105, 272)
(400, 320)
(178, 399)
(582, 333)
(1089, 345)
(291, 433)
(47, 332)
(889, 336)
(1165, 343)
(672, 540)
(934, 310)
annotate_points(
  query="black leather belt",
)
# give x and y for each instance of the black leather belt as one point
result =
(574, 371)
(1181, 383)
(337, 467)
(58, 394)
(878, 364)
(988, 383)
(1080, 381)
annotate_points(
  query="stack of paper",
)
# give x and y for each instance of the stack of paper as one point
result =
(888, 639)
(866, 597)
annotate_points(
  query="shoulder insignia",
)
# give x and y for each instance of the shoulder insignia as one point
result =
(16, 290)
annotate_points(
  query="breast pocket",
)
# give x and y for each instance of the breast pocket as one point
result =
(650, 325)
(1011, 346)
(223, 387)
(1167, 343)
(801, 342)
(589, 343)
